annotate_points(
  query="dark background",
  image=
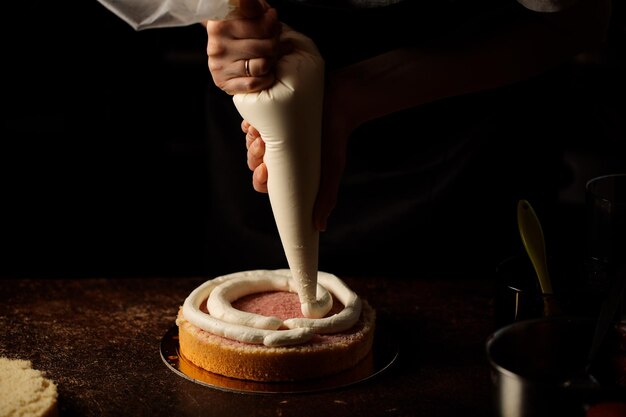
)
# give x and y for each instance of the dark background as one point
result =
(103, 152)
(104, 162)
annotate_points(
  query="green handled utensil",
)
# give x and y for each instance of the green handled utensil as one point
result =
(533, 239)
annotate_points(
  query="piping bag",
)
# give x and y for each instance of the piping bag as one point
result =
(288, 116)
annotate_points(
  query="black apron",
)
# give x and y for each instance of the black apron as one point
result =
(422, 187)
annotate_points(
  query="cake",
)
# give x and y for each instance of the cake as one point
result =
(24, 391)
(217, 333)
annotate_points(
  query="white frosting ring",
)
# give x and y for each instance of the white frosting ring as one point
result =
(219, 302)
(236, 326)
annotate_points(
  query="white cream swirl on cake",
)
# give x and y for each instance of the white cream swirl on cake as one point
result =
(224, 320)
(258, 331)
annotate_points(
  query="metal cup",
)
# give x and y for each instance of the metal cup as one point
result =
(538, 367)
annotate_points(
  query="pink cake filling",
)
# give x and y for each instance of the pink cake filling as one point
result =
(284, 305)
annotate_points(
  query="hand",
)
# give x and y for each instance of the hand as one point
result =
(253, 35)
(256, 149)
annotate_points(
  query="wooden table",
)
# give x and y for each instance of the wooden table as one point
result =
(99, 340)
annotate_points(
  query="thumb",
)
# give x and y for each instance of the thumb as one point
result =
(250, 8)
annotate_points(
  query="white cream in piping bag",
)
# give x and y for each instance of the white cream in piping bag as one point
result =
(289, 118)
